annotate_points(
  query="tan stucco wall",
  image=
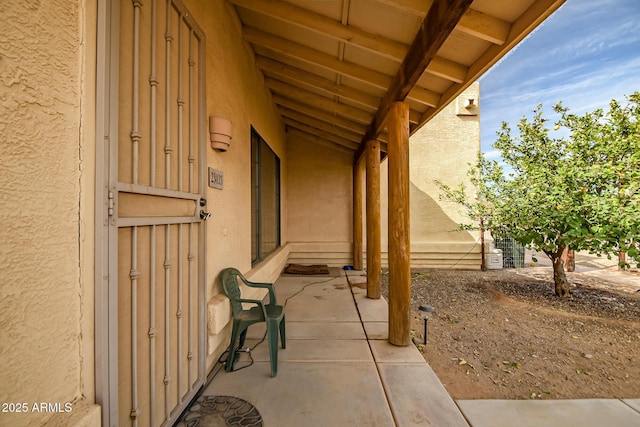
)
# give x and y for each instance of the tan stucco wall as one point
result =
(320, 203)
(47, 60)
(236, 91)
(320, 196)
(441, 150)
(46, 204)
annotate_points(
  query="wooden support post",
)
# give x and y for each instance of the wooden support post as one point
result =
(622, 260)
(374, 250)
(571, 260)
(399, 241)
(483, 258)
(357, 215)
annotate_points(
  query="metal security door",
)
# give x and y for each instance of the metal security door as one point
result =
(155, 199)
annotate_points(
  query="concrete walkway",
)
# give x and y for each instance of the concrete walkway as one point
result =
(339, 370)
(552, 413)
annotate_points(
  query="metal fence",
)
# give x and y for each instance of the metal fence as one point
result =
(512, 252)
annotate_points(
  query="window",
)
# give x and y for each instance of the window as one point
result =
(265, 199)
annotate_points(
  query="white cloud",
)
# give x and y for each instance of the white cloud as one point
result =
(585, 55)
(492, 154)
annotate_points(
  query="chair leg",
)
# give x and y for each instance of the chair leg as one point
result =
(243, 336)
(232, 348)
(272, 332)
(283, 335)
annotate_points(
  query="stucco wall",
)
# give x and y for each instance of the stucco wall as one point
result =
(46, 199)
(440, 150)
(236, 91)
(46, 317)
(320, 203)
(320, 197)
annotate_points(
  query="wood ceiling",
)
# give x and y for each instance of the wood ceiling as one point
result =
(335, 66)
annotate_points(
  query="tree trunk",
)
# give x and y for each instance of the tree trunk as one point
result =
(560, 277)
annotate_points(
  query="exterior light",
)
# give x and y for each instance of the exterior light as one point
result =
(219, 133)
(427, 309)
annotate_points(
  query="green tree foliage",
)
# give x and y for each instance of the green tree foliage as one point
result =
(580, 192)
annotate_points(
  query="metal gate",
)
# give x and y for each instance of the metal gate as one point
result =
(155, 192)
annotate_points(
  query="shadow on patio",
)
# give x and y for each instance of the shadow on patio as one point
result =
(338, 368)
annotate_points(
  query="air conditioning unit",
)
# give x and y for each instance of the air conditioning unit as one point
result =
(494, 260)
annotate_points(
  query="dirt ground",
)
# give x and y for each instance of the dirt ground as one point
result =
(503, 334)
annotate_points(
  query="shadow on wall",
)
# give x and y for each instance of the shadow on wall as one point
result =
(429, 223)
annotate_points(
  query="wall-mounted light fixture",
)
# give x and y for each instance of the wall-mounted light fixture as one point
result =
(467, 105)
(220, 133)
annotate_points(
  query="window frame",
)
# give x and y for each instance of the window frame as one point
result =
(260, 150)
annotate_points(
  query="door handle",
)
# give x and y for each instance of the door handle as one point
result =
(205, 215)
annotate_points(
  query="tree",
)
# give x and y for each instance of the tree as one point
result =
(580, 192)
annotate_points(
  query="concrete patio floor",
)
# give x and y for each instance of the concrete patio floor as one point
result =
(339, 370)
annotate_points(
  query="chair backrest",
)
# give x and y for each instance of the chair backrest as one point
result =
(231, 288)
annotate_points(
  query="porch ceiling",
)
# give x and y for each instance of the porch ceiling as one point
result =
(335, 66)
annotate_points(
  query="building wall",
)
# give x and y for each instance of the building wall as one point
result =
(47, 125)
(319, 203)
(441, 150)
(46, 210)
(48, 171)
(320, 197)
(235, 91)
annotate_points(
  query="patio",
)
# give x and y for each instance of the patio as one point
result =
(339, 370)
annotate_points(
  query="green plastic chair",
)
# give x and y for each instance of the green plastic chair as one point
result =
(271, 313)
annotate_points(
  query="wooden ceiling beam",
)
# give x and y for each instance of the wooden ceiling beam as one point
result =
(448, 70)
(327, 104)
(296, 133)
(321, 59)
(415, 7)
(485, 27)
(328, 62)
(346, 129)
(424, 96)
(326, 26)
(327, 116)
(337, 139)
(284, 70)
(319, 101)
(477, 24)
(436, 27)
(351, 134)
(373, 43)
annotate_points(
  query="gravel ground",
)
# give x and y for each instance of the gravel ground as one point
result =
(503, 334)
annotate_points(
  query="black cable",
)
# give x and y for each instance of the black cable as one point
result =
(251, 349)
(464, 256)
(306, 286)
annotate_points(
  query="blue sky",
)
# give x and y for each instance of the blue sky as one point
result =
(585, 54)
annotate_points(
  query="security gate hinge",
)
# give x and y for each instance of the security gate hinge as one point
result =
(111, 204)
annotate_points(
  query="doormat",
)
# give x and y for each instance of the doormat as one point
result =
(220, 411)
(307, 269)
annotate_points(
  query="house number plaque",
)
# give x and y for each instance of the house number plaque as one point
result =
(216, 178)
